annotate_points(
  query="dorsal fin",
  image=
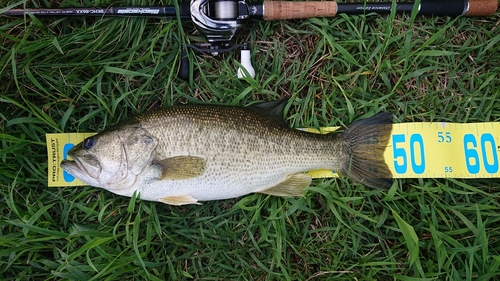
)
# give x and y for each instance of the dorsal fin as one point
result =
(273, 109)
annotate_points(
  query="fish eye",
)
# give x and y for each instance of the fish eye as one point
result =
(89, 142)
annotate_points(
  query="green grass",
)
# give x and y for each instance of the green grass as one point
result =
(75, 74)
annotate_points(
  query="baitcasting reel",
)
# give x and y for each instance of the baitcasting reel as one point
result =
(219, 21)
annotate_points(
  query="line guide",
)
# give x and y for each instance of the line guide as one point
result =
(415, 150)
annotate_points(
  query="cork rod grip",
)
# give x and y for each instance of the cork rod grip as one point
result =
(285, 10)
(482, 8)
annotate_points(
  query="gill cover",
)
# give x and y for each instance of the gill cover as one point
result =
(113, 158)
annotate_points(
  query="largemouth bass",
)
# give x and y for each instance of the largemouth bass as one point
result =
(191, 153)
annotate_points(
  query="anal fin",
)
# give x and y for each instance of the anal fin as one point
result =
(178, 200)
(293, 185)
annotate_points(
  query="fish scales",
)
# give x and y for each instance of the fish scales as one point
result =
(196, 153)
(241, 149)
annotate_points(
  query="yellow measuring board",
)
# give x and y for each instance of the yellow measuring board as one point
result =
(415, 150)
(444, 150)
(58, 146)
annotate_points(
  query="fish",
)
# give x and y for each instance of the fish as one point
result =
(188, 154)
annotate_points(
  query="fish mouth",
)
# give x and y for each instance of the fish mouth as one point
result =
(73, 167)
(78, 169)
(67, 164)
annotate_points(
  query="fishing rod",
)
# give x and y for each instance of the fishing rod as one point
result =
(220, 20)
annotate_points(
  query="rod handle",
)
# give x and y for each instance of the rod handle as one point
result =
(482, 8)
(283, 10)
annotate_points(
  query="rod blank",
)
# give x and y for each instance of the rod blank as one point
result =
(146, 11)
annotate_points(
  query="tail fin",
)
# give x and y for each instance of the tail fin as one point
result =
(366, 141)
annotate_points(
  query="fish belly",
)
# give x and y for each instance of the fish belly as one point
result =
(221, 180)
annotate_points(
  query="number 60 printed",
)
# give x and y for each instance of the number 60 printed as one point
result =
(480, 155)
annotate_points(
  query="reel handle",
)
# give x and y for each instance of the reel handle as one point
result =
(246, 63)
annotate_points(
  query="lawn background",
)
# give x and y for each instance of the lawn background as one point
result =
(75, 74)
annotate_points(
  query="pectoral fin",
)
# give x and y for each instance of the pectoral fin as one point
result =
(181, 167)
(293, 185)
(178, 200)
